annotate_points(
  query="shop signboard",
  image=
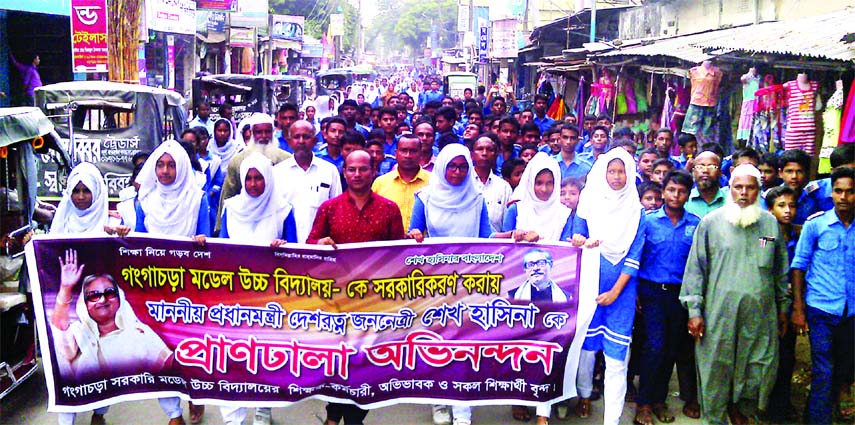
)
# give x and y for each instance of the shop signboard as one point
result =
(313, 50)
(217, 5)
(89, 35)
(482, 30)
(287, 27)
(171, 16)
(242, 37)
(462, 18)
(504, 40)
(216, 22)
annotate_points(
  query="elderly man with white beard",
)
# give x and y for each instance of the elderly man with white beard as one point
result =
(262, 134)
(735, 288)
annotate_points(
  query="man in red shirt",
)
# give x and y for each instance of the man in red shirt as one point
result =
(357, 215)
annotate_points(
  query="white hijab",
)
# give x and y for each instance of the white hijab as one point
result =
(452, 210)
(323, 110)
(229, 150)
(69, 219)
(257, 218)
(174, 209)
(548, 217)
(612, 215)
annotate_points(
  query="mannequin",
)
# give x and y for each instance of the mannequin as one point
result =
(705, 78)
(750, 84)
(801, 105)
(831, 127)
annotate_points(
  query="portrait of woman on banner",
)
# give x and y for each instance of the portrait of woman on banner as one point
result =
(107, 338)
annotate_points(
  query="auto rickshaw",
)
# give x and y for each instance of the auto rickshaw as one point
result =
(109, 123)
(248, 93)
(27, 137)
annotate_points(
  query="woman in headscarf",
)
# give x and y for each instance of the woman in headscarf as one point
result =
(610, 233)
(451, 204)
(536, 212)
(170, 201)
(257, 214)
(224, 148)
(83, 209)
(128, 200)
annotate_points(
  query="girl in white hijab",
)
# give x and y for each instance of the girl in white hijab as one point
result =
(256, 214)
(170, 201)
(610, 233)
(538, 213)
(83, 208)
(451, 205)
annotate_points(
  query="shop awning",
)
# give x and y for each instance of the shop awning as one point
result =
(819, 37)
(679, 47)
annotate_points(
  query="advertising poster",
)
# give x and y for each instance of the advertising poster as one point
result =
(89, 35)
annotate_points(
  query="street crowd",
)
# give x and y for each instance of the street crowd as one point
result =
(709, 262)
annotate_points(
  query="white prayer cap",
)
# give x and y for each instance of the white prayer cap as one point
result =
(745, 170)
(259, 118)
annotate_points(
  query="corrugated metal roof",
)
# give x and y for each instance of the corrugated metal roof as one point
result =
(679, 47)
(817, 36)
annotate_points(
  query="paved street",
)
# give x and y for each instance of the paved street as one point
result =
(28, 404)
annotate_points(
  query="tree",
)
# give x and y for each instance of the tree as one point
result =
(415, 23)
(122, 40)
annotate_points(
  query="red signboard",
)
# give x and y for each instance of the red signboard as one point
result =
(89, 35)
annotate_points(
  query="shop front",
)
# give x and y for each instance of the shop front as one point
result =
(170, 47)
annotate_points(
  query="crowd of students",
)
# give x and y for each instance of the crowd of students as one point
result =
(455, 167)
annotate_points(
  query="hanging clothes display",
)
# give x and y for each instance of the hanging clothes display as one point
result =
(722, 129)
(667, 109)
(801, 122)
(607, 92)
(681, 98)
(750, 84)
(631, 107)
(579, 105)
(847, 132)
(640, 96)
(620, 96)
(769, 110)
(831, 128)
(701, 114)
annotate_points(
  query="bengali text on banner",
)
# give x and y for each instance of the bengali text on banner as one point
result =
(448, 320)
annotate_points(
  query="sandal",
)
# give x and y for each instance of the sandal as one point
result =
(520, 413)
(583, 408)
(692, 409)
(643, 415)
(196, 413)
(662, 413)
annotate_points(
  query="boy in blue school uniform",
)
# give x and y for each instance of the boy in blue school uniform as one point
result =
(824, 299)
(668, 234)
(781, 202)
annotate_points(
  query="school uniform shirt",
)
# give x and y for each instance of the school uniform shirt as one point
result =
(307, 189)
(544, 123)
(666, 246)
(578, 167)
(809, 202)
(497, 192)
(824, 251)
(501, 158)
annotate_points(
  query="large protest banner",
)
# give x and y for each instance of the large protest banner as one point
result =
(373, 324)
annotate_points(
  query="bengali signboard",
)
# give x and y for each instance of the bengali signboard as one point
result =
(171, 16)
(504, 39)
(336, 24)
(371, 324)
(89, 35)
